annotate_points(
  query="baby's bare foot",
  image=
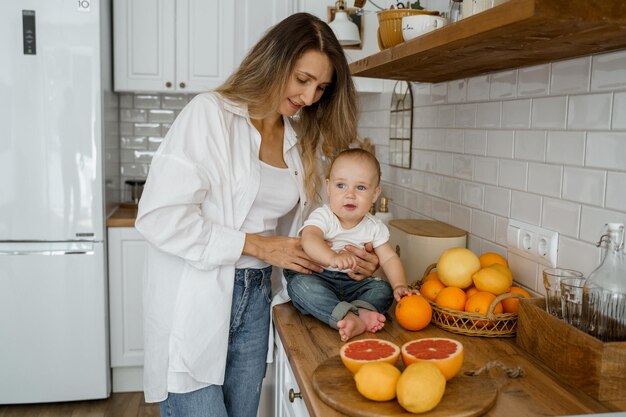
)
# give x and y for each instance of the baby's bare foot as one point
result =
(373, 320)
(351, 325)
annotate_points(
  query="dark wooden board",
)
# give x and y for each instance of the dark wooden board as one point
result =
(465, 396)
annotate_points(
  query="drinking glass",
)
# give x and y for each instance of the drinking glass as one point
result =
(552, 282)
(572, 301)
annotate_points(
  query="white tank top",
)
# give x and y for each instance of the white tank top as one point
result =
(278, 194)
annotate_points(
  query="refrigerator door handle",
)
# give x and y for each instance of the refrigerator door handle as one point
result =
(46, 248)
(47, 252)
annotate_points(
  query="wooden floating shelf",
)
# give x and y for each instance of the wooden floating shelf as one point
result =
(515, 34)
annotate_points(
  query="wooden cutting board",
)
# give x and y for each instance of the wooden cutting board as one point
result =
(465, 396)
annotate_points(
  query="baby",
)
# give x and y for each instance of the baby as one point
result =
(348, 305)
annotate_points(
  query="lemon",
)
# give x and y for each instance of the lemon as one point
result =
(496, 279)
(456, 266)
(377, 381)
(420, 387)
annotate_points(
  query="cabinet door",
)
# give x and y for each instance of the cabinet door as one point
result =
(127, 252)
(144, 45)
(205, 35)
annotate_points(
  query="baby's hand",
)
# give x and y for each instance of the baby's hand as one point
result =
(343, 261)
(400, 291)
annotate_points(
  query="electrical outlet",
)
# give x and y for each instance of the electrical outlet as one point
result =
(533, 242)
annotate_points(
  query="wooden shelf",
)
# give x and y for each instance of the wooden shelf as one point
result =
(515, 34)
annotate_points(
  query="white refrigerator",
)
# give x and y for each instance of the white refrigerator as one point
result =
(53, 287)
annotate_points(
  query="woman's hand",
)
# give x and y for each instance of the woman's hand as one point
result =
(281, 251)
(367, 262)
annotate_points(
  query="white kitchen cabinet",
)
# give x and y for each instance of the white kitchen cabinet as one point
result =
(127, 252)
(182, 46)
(288, 402)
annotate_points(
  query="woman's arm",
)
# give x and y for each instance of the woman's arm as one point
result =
(281, 251)
(367, 261)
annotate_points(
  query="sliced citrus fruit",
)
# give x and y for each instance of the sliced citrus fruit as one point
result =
(446, 353)
(358, 352)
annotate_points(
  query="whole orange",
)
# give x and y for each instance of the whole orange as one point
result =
(413, 312)
(471, 291)
(479, 304)
(490, 258)
(511, 305)
(431, 288)
(431, 275)
(451, 297)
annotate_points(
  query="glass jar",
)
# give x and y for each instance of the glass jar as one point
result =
(455, 13)
(604, 293)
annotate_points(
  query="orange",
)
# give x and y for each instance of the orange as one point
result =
(431, 275)
(447, 354)
(451, 297)
(471, 291)
(511, 305)
(479, 304)
(431, 288)
(413, 312)
(490, 258)
(456, 267)
(359, 352)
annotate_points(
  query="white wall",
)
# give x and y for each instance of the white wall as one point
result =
(545, 145)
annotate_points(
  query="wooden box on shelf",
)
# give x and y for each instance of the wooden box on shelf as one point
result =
(595, 367)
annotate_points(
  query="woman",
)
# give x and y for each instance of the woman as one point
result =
(225, 189)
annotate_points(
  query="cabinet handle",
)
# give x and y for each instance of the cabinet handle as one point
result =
(293, 395)
(168, 84)
(182, 85)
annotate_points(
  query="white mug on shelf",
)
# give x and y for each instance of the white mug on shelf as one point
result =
(416, 25)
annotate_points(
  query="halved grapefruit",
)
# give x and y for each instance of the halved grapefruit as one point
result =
(447, 354)
(356, 353)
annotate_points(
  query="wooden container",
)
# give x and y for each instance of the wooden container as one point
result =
(597, 368)
(419, 243)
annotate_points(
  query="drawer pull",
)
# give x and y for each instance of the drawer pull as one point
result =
(293, 395)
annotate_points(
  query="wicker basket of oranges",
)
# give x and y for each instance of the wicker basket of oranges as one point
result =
(470, 311)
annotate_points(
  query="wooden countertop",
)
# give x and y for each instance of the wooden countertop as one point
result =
(309, 342)
(123, 216)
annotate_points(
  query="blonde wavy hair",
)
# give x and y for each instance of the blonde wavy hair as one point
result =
(261, 79)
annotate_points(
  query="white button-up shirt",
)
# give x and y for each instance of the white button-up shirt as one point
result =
(202, 183)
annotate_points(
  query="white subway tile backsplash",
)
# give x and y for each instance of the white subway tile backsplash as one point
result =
(526, 272)
(433, 185)
(457, 91)
(516, 114)
(454, 140)
(488, 115)
(463, 166)
(146, 101)
(534, 81)
(148, 129)
(154, 143)
(566, 148)
(500, 143)
(460, 216)
(606, 150)
(445, 117)
(577, 255)
(478, 88)
(134, 142)
(498, 200)
(439, 93)
(174, 102)
(616, 191)
(425, 161)
(571, 76)
(545, 179)
(451, 189)
(475, 142)
(133, 115)
(593, 221)
(530, 145)
(465, 115)
(134, 170)
(441, 210)
(502, 224)
(486, 170)
(609, 71)
(421, 94)
(589, 112)
(483, 225)
(474, 243)
(161, 116)
(549, 113)
(584, 185)
(526, 207)
(561, 216)
(619, 111)
(126, 101)
(513, 174)
(503, 85)
(425, 205)
(472, 194)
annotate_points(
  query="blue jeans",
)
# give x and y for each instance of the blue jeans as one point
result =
(246, 359)
(330, 295)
